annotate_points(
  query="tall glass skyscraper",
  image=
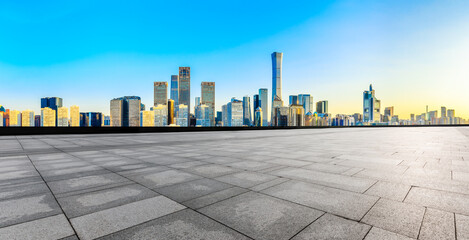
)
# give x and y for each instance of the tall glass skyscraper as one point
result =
(208, 98)
(185, 87)
(247, 111)
(293, 99)
(263, 103)
(322, 107)
(125, 111)
(255, 102)
(160, 95)
(175, 89)
(371, 106)
(276, 75)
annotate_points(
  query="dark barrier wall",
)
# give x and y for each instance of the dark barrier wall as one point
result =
(107, 130)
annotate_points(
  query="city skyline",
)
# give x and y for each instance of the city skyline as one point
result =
(410, 73)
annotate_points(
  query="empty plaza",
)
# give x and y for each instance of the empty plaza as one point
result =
(332, 183)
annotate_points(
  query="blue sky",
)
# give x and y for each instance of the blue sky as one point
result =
(87, 52)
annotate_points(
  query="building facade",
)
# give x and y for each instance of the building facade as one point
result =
(91, 119)
(74, 116)
(53, 103)
(296, 115)
(182, 119)
(263, 103)
(125, 111)
(322, 107)
(371, 106)
(147, 118)
(235, 113)
(160, 93)
(185, 87)
(276, 75)
(307, 101)
(62, 115)
(48, 117)
(15, 118)
(247, 120)
(208, 98)
(258, 117)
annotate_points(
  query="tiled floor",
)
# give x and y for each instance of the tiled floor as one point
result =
(356, 183)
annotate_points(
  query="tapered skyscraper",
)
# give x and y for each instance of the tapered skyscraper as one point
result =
(277, 75)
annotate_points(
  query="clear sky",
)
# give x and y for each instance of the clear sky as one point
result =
(415, 53)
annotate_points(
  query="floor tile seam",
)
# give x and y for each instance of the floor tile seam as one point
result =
(301, 230)
(52, 193)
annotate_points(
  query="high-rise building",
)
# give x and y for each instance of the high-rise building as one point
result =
(202, 115)
(171, 112)
(388, 114)
(107, 121)
(183, 116)
(451, 113)
(280, 116)
(443, 112)
(293, 100)
(255, 102)
(322, 107)
(258, 117)
(371, 106)
(224, 110)
(307, 101)
(412, 117)
(309, 119)
(91, 119)
(263, 103)
(247, 120)
(208, 98)
(160, 93)
(27, 118)
(161, 115)
(296, 115)
(235, 113)
(125, 111)
(74, 116)
(48, 117)
(219, 118)
(147, 118)
(63, 117)
(15, 118)
(175, 89)
(276, 75)
(53, 103)
(1, 119)
(185, 87)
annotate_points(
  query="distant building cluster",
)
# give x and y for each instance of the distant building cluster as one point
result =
(175, 109)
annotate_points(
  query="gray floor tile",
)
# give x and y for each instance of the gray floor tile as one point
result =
(437, 225)
(194, 189)
(54, 227)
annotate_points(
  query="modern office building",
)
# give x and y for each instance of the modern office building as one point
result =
(307, 101)
(219, 119)
(322, 107)
(1, 119)
(296, 115)
(74, 116)
(255, 102)
(27, 118)
(258, 117)
(48, 117)
(276, 75)
(171, 112)
(182, 119)
(202, 115)
(197, 101)
(125, 111)
(15, 118)
(37, 120)
(62, 115)
(280, 116)
(147, 118)
(185, 87)
(293, 100)
(107, 121)
(443, 112)
(91, 119)
(224, 110)
(263, 103)
(235, 113)
(175, 89)
(388, 114)
(53, 103)
(160, 94)
(208, 98)
(371, 106)
(161, 115)
(247, 120)
(309, 119)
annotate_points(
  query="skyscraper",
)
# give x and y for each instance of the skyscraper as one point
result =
(255, 102)
(388, 114)
(208, 98)
(276, 75)
(258, 117)
(53, 103)
(170, 111)
(183, 116)
(293, 100)
(185, 87)
(296, 115)
(62, 116)
(322, 107)
(202, 115)
(224, 112)
(91, 119)
(175, 89)
(263, 103)
(125, 111)
(74, 116)
(247, 111)
(307, 101)
(443, 112)
(235, 113)
(161, 115)
(371, 106)
(15, 118)
(160, 95)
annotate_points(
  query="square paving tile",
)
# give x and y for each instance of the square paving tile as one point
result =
(246, 179)
(262, 217)
(194, 189)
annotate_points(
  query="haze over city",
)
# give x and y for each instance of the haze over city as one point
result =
(88, 53)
